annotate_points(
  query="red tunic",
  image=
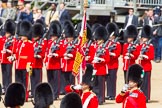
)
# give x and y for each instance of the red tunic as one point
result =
(67, 65)
(53, 62)
(24, 54)
(90, 52)
(146, 63)
(114, 59)
(128, 62)
(5, 55)
(38, 62)
(102, 68)
(89, 99)
(136, 99)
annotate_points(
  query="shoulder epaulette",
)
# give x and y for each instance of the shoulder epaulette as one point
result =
(133, 95)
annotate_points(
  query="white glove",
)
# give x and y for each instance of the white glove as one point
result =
(77, 87)
(99, 59)
(8, 51)
(11, 58)
(66, 58)
(3, 51)
(94, 61)
(49, 55)
(87, 58)
(126, 57)
(37, 56)
(129, 54)
(125, 88)
(112, 54)
(55, 54)
(70, 55)
(145, 56)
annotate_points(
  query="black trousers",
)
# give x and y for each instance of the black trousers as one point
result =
(111, 82)
(146, 85)
(6, 75)
(21, 76)
(99, 88)
(69, 78)
(53, 77)
(35, 79)
(62, 83)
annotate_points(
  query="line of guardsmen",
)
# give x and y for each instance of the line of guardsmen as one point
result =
(31, 49)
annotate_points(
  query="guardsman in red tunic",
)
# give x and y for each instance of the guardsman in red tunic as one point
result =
(24, 55)
(6, 51)
(130, 49)
(39, 44)
(100, 62)
(131, 96)
(89, 99)
(114, 51)
(53, 58)
(145, 57)
(69, 52)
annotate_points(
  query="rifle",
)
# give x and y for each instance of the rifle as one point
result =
(133, 46)
(145, 49)
(38, 49)
(113, 46)
(71, 47)
(101, 51)
(55, 47)
(87, 48)
(9, 41)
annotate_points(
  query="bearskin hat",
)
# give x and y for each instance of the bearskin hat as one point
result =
(87, 77)
(112, 27)
(94, 26)
(37, 30)
(135, 74)
(71, 100)
(131, 32)
(69, 29)
(147, 32)
(100, 33)
(25, 29)
(40, 21)
(89, 31)
(10, 26)
(43, 95)
(55, 29)
(15, 95)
